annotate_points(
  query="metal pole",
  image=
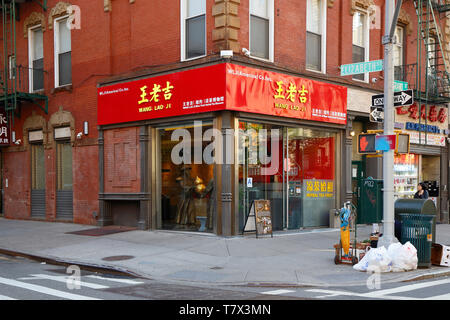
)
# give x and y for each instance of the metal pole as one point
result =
(388, 156)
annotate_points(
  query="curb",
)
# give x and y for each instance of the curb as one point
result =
(66, 262)
(126, 272)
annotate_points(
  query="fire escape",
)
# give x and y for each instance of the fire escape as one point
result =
(429, 77)
(15, 89)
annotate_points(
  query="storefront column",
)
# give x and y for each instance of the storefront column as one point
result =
(445, 182)
(226, 195)
(144, 203)
(347, 145)
(105, 217)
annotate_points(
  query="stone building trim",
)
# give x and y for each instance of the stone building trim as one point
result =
(34, 19)
(360, 4)
(227, 24)
(405, 20)
(32, 123)
(61, 118)
(107, 5)
(59, 10)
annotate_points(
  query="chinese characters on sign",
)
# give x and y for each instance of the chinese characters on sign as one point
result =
(290, 95)
(319, 189)
(433, 113)
(4, 129)
(155, 96)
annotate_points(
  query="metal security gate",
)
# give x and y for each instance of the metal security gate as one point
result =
(64, 192)
(37, 181)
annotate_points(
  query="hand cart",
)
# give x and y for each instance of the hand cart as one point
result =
(346, 252)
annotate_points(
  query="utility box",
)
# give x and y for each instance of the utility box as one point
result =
(415, 206)
(370, 194)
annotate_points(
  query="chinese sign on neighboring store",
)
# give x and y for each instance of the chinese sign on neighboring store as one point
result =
(4, 129)
(319, 188)
(429, 126)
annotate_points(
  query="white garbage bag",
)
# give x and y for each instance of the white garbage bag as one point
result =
(404, 257)
(375, 260)
(379, 261)
(396, 258)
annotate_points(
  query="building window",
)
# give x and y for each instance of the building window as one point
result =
(193, 28)
(36, 59)
(315, 35)
(63, 53)
(37, 167)
(261, 29)
(399, 54)
(360, 42)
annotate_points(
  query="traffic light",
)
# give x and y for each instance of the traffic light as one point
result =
(366, 143)
(402, 143)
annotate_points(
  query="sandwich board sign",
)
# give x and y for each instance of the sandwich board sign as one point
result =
(259, 218)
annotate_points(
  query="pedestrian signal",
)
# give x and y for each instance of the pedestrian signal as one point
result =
(366, 143)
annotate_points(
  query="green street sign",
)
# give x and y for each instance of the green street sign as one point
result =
(361, 67)
(400, 85)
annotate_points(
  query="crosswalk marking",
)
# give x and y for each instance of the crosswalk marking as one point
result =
(44, 290)
(6, 298)
(406, 288)
(64, 279)
(441, 297)
(127, 281)
(275, 292)
(387, 293)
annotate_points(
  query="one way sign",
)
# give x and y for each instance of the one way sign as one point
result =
(401, 98)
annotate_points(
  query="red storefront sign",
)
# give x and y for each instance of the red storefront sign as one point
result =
(5, 139)
(434, 113)
(222, 87)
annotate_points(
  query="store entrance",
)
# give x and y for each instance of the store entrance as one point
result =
(301, 186)
(186, 187)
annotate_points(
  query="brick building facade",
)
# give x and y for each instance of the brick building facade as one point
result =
(114, 167)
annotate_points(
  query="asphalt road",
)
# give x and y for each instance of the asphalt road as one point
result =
(23, 279)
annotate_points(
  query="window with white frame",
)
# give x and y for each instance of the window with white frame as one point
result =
(261, 29)
(360, 50)
(63, 53)
(193, 29)
(36, 59)
(398, 53)
(315, 34)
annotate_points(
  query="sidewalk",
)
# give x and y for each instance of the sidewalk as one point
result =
(302, 258)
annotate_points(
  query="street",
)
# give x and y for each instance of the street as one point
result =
(23, 279)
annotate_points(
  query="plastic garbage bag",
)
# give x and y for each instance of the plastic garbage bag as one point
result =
(379, 261)
(375, 260)
(396, 258)
(404, 257)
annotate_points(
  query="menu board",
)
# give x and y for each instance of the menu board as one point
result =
(259, 219)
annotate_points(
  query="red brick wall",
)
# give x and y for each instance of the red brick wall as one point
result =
(140, 35)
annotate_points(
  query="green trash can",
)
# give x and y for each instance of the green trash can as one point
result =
(417, 206)
(417, 229)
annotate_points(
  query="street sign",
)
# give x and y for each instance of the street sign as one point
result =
(400, 85)
(376, 114)
(361, 67)
(401, 98)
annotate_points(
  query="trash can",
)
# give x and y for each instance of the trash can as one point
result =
(417, 228)
(416, 206)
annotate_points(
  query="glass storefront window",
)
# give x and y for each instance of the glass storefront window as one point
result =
(187, 188)
(406, 175)
(301, 185)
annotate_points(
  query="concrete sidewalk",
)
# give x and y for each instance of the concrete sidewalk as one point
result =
(303, 258)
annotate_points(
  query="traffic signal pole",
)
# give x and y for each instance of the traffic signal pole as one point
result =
(388, 156)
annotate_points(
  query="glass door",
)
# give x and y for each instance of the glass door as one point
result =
(261, 174)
